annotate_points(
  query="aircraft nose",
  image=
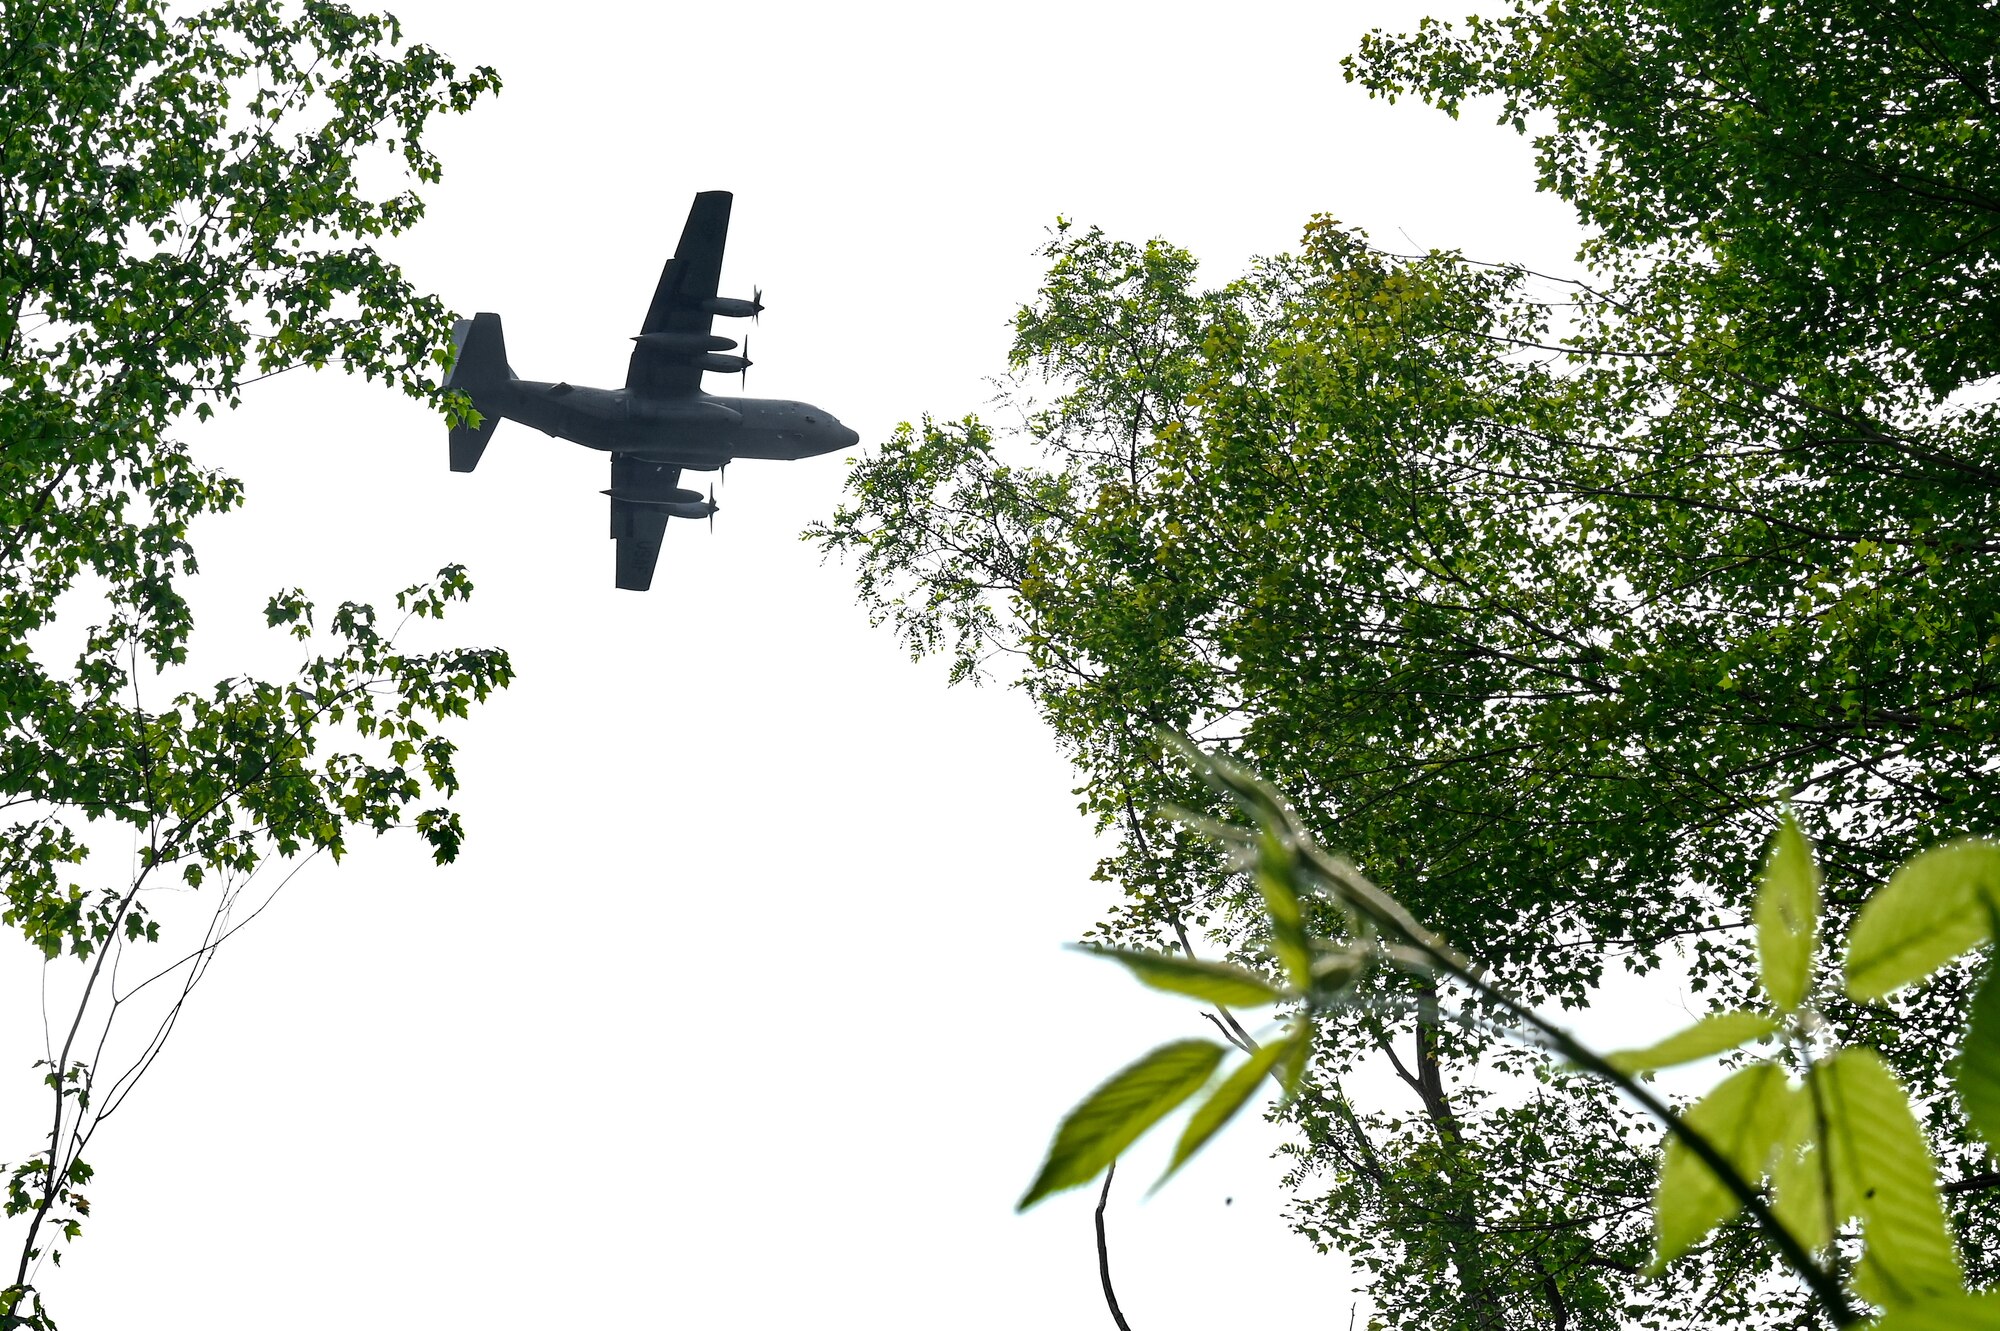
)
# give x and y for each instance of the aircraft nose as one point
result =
(848, 438)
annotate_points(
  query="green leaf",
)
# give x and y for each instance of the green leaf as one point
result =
(1215, 981)
(1800, 1196)
(1870, 1162)
(1745, 1119)
(1716, 1033)
(1978, 1068)
(1960, 1310)
(1293, 1071)
(1931, 910)
(1112, 1116)
(1882, 1161)
(1275, 859)
(1787, 916)
(1276, 853)
(1230, 1097)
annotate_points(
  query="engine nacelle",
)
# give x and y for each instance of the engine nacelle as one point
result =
(676, 503)
(729, 307)
(720, 364)
(686, 342)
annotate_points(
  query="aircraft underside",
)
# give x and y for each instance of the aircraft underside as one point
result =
(660, 422)
(695, 432)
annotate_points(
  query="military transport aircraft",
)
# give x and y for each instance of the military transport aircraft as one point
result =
(660, 422)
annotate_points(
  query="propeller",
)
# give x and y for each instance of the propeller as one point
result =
(757, 309)
(711, 510)
(744, 386)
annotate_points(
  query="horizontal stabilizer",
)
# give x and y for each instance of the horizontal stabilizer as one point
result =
(478, 368)
(467, 443)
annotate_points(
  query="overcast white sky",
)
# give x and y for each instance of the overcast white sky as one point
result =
(745, 1005)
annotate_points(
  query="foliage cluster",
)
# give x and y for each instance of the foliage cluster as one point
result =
(1839, 1142)
(1535, 593)
(183, 210)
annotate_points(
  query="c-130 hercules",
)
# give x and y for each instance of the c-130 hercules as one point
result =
(660, 422)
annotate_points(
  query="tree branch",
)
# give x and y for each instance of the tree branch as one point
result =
(1104, 1252)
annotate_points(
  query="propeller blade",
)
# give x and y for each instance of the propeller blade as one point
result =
(711, 510)
(744, 385)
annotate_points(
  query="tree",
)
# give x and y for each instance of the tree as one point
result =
(181, 212)
(1824, 183)
(1534, 593)
(1853, 1189)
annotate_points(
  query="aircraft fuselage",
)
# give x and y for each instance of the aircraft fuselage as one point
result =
(700, 431)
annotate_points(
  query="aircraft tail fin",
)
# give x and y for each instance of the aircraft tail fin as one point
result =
(479, 365)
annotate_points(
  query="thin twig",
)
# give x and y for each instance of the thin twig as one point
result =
(1245, 1043)
(1104, 1252)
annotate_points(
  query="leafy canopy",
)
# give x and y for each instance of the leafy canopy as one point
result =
(1534, 593)
(186, 206)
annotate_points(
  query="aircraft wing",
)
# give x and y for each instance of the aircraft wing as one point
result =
(689, 279)
(639, 492)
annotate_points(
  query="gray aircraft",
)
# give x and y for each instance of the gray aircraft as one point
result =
(661, 421)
